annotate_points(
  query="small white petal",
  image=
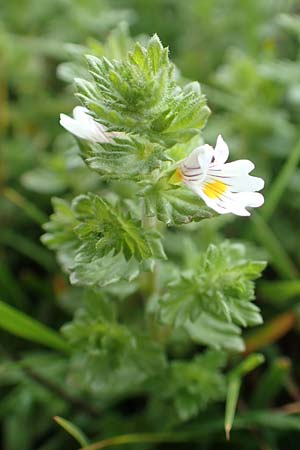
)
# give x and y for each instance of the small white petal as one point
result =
(85, 127)
(252, 199)
(235, 168)
(227, 201)
(224, 187)
(72, 126)
(221, 151)
(80, 113)
(205, 155)
(247, 184)
(235, 205)
(192, 161)
(241, 183)
(216, 204)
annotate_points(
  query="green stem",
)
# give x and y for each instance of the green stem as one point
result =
(261, 418)
(276, 191)
(148, 223)
(28, 207)
(280, 260)
(28, 248)
(139, 438)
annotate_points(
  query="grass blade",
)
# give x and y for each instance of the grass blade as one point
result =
(279, 292)
(276, 191)
(73, 430)
(233, 391)
(271, 383)
(266, 419)
(234, 385)
(19, 324)
(29, 208)
(11, 288)
(280, 260)
(28, 248)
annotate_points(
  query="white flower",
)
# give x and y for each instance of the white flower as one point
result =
(85, 127)
(226, 188)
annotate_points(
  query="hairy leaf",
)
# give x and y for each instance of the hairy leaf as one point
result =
(215, 298)
(193, 384)
(174, 205)
(140, 95)
(111, 355)
(126, 157)
(98, 244)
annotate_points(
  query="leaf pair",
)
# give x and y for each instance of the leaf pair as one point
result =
(213, 300)
(140, 95)
(99, 244)
(109, 354)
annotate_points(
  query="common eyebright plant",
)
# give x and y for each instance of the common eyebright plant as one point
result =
(151, 291)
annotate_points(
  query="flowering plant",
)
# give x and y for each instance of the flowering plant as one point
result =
(150, 285)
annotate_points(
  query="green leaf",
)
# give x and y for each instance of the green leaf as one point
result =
(233, 391)
(216, 333)
(98, 244)
(73, 430)
(60, 235)
(29, 208)
(279, 185)
(140, 95)
(174, 205)
(234, 384)
(271, 383)
(278, 256)
(109, 355)
(19, 324)
(213, 300)
(192, 385)
(280, 292)
(270, 420)
(125, 158)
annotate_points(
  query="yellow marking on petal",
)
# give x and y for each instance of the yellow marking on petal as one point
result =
(177, 177)
(215, 189)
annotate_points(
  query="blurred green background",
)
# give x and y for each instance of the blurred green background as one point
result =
(245, 54)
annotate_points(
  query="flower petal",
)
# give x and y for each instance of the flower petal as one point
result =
(242, 200)
(241, 183)
(205, 155)
(223, 201)
(235, 168)
(192, 161)
(72, 126)
(225, 187)
(252, 199)
(81, 113)
(84, 126)
(221, 152)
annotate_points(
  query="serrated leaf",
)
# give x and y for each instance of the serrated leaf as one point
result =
(140, 95)
(155, 53)
(215, 298)
(60, 235)
(88, 270)
(126, 158)
(98, 244)
(111, 355)
(193, 384)
(174, 205)
(215, 333)
(107, 229)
